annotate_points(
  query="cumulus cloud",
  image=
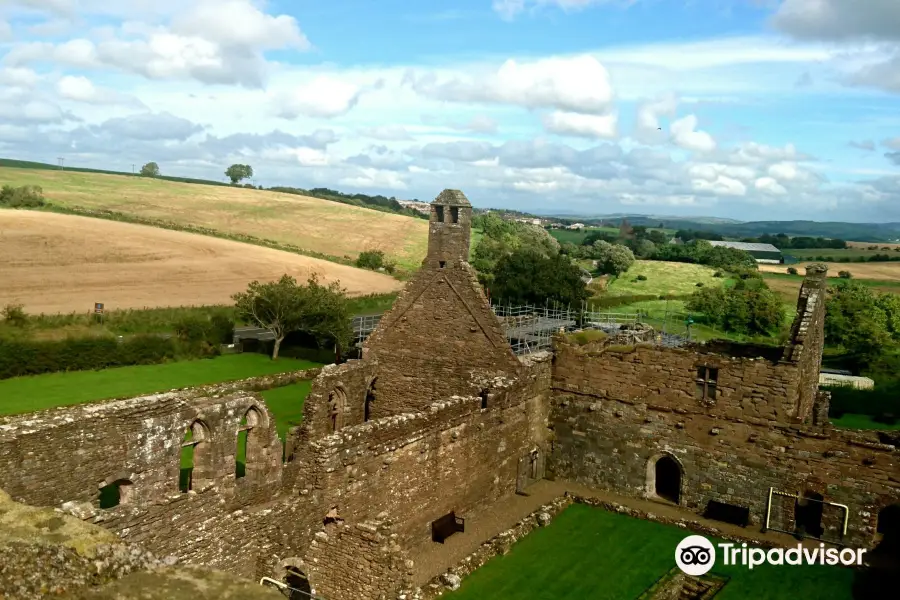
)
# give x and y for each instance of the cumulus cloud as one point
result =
(574, 84)
(477, 124)
(323, 97)
(684, 135)
(770, 186)
(201, 43)
(580, 125)
(79, 88)
(894, 157)
(149, 127)
(5, 31)
(892, 143)
(648, 117)
(19, 77)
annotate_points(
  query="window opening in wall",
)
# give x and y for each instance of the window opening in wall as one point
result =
(439, 212)
(115, 493)
(442, 263)
(667, 481)
(808, 515)
(454, 214)
(192, 451)
(727, 513)
(240, 457)
(707, 380)
(484, 398)
(336, 404)
(370, 400)
(534, 464)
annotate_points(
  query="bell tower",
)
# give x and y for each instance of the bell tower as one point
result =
(449, 230)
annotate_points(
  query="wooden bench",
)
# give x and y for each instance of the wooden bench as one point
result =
(446, 526)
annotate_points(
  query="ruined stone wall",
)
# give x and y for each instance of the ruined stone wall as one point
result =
(62, 457)
(453, 456)
(439, 340)
(353, 561)
(614, 442)
(753, 386)
(808, 339)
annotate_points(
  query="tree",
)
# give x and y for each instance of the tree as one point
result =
(151, 169)
(501, 238)
(612, 259)
(238, 172)
(864, 323)
(282, 307)
(749, 307)
(527, 276)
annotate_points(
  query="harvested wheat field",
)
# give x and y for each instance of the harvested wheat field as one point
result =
(62, 263)
(878, 245)
(883, 271)
(312, 224)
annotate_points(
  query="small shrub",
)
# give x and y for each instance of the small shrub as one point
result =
(587, 336)
(792, 270)
(27, 196)
(699, 284)
(718, 274)
(845, 274)
(370, 259)
(641, 278)
(14, 314)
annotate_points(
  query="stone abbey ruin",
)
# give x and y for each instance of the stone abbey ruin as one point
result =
(438, 421)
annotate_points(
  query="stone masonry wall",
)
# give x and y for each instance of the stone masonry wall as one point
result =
(808, 338)
(455, 455)
(353, 561)
(609, 433)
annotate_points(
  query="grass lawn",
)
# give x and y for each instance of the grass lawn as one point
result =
(852, 421)
(38, 392)
(588, 553)
(286, 405)
(663, 278)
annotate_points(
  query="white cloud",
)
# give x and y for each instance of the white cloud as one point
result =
(509, 9)
(769, 185)
(323, 97)
(19, 77)
(580, 125)
(839, 19)
(375, 178)
(893, 144)
(726, 186)
(79, 88)
(576, 84)
(5, 31)
(685, 136)
(388, 133)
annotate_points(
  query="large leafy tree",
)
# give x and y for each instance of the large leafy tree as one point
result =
(284, 306)
(612, 259)
(529, 277)
(151, 169)
(749, 307)
(501, 238)
(865, 323)
(238, 172)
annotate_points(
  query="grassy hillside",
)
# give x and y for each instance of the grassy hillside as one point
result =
(663, 278)
(317, 226)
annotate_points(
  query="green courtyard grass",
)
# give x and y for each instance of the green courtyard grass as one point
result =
(286, 405)
(590, 554)
(854, 421)
(38, 392)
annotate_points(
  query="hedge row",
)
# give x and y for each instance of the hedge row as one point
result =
(33, 357)
(883, 400)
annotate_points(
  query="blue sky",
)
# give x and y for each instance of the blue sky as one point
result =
(749, 109)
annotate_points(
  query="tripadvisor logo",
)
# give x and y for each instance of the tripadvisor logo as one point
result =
(696, 555)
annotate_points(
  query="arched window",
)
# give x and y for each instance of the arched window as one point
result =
(298, 584)
(194, 457)
(337, 402)
(115, 493)
(248, 443)
(370, 400)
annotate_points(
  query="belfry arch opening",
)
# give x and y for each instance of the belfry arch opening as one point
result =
(337, 402)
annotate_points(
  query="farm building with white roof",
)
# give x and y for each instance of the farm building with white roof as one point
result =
(763, 253)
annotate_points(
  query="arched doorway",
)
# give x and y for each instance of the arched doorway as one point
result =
(296, 580)
(808, 514)
(667, 479)
(194, 457)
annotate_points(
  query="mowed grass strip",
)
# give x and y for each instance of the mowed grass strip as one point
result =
(663, 278)
(39, 392)
(854, 421)
(591, 554)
